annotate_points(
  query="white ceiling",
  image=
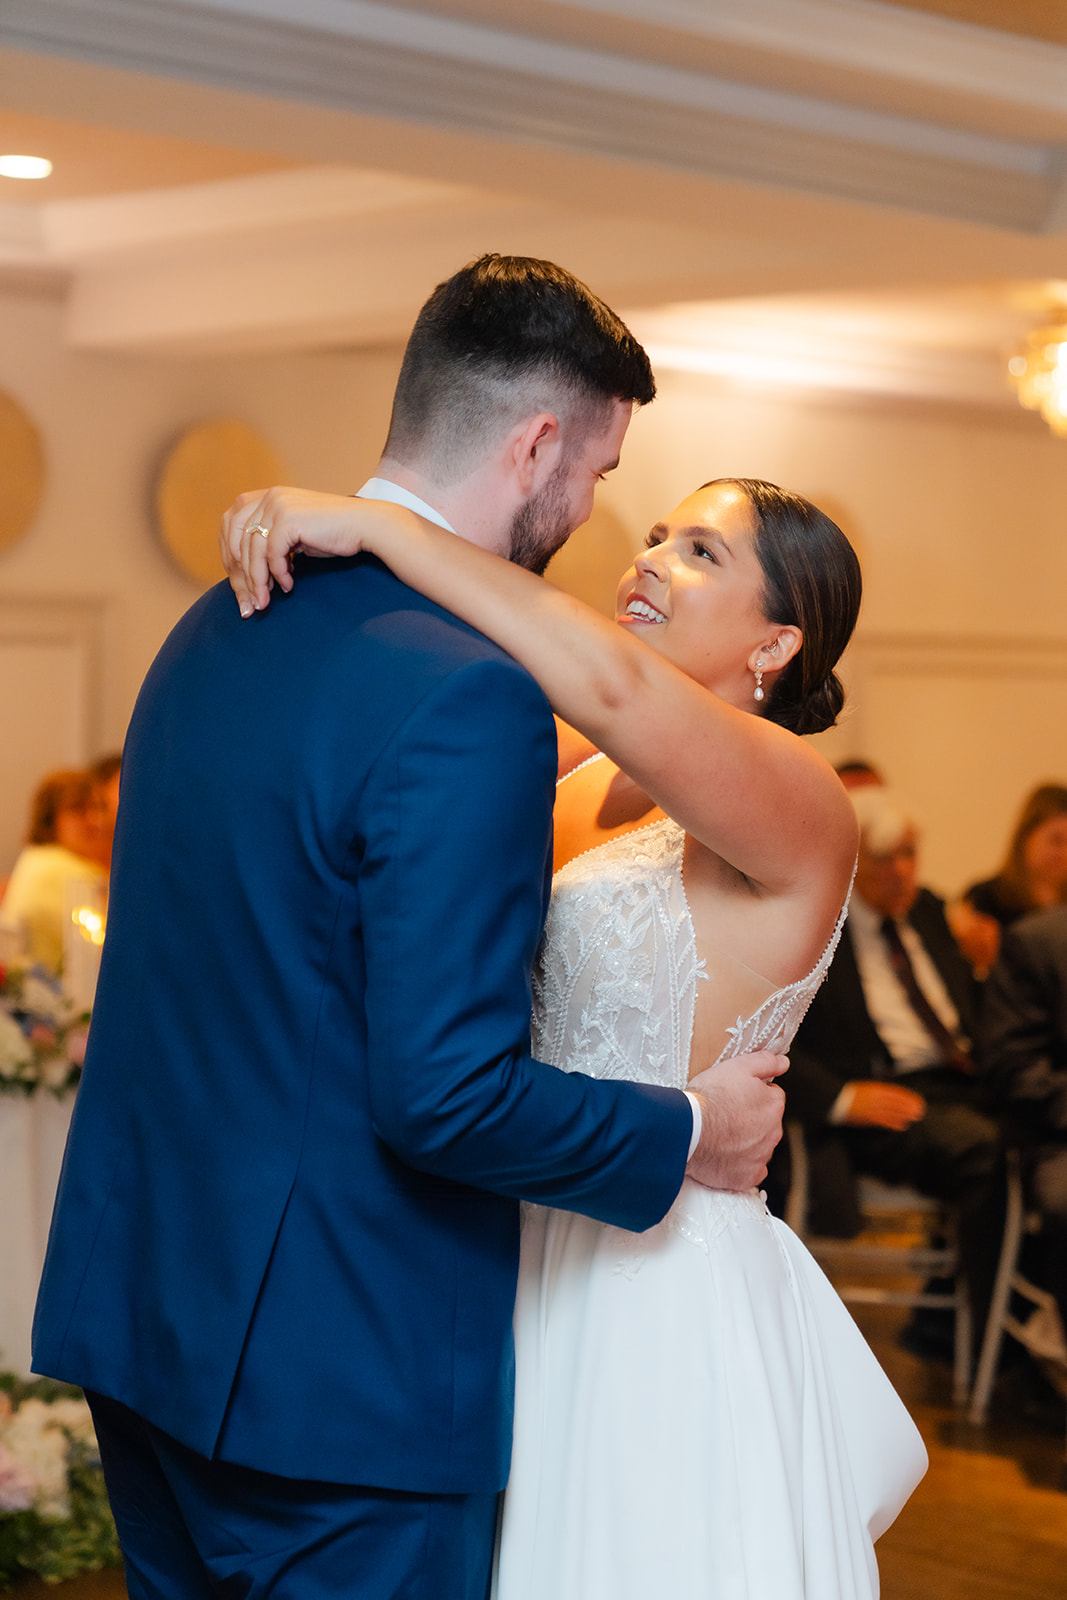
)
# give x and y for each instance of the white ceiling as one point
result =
(862, 189)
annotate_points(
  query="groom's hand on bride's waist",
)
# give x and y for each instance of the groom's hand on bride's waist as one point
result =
(741, 1110)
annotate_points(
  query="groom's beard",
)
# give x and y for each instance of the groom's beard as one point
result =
(542, 525)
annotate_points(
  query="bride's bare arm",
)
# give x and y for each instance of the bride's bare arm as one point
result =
(755, 794)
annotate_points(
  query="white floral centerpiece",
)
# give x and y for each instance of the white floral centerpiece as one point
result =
(42, 1033)
(54, 1516)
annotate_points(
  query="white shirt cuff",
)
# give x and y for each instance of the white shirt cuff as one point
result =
(698, 1123)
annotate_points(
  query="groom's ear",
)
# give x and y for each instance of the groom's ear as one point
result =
(534, 448)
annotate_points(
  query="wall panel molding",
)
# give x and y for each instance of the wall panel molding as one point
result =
(51, 667)
(964, 726)
(77, 624)
(965, 655)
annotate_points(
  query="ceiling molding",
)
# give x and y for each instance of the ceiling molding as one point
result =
(863, 53)
(875, 39)
(74, 232)
(973, 378)
(22, 237)
(392, 62)
(355, 281)
(949, 350)
(1037, 19)
(856, 36)
(666, 150)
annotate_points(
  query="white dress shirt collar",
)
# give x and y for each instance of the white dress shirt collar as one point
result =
(382, 489)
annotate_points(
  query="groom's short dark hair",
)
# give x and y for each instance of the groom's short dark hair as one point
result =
(505, 337)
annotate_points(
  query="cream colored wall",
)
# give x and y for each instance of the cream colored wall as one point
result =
(960, 667)
(89, 593)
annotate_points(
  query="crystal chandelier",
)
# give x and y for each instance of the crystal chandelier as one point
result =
(1039, 372)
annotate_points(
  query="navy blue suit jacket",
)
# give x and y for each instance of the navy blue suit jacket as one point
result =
(287, 1226)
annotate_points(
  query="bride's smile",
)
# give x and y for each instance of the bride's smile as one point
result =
(639, 610)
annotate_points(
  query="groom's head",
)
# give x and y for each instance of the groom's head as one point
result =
(520, 382)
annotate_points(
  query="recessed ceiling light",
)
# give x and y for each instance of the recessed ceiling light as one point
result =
(24, 167)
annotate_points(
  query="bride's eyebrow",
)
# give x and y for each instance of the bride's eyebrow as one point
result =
(700, 530)
(697, 530)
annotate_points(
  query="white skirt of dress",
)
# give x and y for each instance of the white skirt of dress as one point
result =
(697, 1416)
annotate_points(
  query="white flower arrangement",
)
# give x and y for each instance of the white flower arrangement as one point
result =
(42, 1034)
(54, 1516)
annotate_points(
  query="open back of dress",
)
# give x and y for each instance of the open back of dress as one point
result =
(620, 973)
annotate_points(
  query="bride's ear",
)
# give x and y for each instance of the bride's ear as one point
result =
(779, 649)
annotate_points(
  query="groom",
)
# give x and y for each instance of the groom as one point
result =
(284, 1250)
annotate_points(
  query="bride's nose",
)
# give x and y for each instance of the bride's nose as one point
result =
(650, 564)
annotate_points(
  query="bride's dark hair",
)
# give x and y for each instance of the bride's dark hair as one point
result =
(811, 581)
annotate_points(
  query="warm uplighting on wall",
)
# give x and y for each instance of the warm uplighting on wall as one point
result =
(1039, 372)
(25, 167)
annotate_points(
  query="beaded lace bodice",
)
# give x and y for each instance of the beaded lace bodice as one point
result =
(616, 982)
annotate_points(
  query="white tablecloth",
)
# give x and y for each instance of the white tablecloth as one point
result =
(33, 1133)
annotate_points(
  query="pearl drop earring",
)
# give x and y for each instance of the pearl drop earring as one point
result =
(757, 693)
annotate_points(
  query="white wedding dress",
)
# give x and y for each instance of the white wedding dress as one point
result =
(697, 1416)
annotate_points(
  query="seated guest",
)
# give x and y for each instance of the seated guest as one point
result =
(64, 846)
(881, 1075)
(1024, 1052)
(858, 774)
(1033, 876)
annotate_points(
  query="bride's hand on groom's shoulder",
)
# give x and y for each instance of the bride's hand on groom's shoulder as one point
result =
(741, 1110)
(264, 529)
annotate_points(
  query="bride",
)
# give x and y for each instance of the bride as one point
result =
(697, 1416)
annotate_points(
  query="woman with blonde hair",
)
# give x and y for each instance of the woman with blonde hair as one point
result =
(63, 848)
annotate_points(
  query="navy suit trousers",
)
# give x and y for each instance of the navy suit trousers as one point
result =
(194, 1529)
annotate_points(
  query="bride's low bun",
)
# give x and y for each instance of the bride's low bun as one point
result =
(811, 582)
(816, 712)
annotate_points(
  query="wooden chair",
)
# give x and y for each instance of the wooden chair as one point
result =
(849, 1263)
(1009, 1281)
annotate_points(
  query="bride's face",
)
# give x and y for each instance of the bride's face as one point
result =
(695, 592)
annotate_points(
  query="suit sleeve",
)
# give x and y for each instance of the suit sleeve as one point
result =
(456, 826)
(1024, 1050)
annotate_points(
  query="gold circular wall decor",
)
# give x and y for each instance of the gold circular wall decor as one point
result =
(21, 470)
(211, 464)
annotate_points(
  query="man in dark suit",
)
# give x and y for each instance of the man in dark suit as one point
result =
(882, 1074)
(1024, 1050)
(284, 1252)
